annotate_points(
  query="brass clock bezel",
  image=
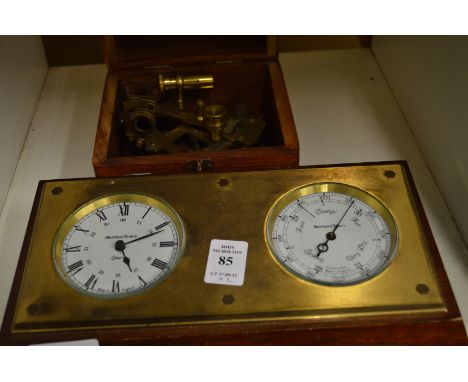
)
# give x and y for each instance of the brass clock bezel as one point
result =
(107, 200)
(339, 188)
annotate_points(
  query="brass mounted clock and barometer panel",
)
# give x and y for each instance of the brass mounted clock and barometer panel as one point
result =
(324, 244)
(101, 249)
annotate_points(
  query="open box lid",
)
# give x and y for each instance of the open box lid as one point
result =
(124, 52)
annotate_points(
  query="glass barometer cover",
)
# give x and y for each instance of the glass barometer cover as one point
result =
(331, 234)
(119, 244)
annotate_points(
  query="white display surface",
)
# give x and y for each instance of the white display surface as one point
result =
(343, 109)
(331, 239)
(110, 252)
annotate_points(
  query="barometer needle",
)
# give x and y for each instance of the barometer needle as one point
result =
(300, 205)
(323, 247)
(334, 229)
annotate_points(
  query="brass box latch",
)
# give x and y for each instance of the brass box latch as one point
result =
(204, 165)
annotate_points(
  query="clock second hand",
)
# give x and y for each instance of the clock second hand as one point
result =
(323, 247)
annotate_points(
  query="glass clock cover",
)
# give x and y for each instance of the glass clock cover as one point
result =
(119, 244)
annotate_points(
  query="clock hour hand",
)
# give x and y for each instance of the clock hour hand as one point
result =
(120, 246)
(126, 260)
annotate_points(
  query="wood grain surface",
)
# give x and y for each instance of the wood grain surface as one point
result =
(257, 81)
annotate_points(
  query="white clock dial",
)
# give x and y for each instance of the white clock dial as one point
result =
(119, 245)
(328, 234)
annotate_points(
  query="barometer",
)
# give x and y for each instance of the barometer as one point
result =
(316, 255)
(331, 234)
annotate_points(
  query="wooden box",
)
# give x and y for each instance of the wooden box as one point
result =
(245, 69)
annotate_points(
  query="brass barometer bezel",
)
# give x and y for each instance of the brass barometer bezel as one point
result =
(339, 188)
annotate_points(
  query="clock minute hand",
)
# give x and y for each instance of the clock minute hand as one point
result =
(142, 237)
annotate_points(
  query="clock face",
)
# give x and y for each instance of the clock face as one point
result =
(119, 244)
(331, 234)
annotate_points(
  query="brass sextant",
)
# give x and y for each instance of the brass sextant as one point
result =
(156, 121)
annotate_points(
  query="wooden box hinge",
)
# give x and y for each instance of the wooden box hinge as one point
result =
(153, 67)
(227, 62)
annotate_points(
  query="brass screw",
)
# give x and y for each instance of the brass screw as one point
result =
(223, 182)
(39, 307)
(422, 289)
(228, 299)
(57, 190)
(389, 174)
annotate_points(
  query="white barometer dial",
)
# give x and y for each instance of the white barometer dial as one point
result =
(119, 244)
(331, 234)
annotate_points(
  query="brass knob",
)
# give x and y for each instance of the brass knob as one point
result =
(215, 119)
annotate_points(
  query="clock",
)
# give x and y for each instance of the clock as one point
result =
(330, 255)
(331, 234)
(119, 244)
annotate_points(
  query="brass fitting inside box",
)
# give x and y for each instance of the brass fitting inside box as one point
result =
(149, 118)
(181, 82)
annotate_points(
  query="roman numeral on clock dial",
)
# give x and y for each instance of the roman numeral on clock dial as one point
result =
(124, 209)
(159, 264)
(166, 243)
(76, 248)
(101, 215)
(143, 282)
(148, 210)
(75, 267)
(115, 286)
(91, 282)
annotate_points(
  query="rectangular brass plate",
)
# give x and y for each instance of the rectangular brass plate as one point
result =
(236, 211)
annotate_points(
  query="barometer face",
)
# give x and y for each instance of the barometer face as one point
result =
(331, 234)
(119, 244)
